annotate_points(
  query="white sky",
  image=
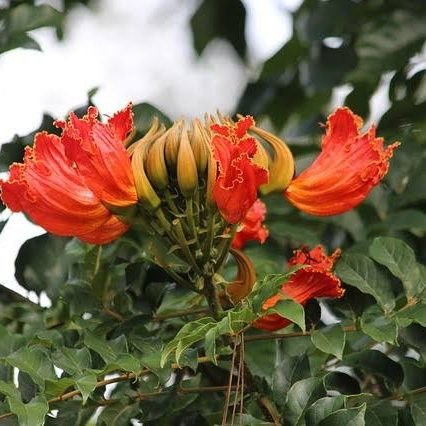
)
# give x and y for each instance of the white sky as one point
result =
(132, 53)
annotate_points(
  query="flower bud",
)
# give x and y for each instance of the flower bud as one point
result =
(146, 193)
(171, 148)
(156, 168)
(281, 164)
(187, 175)
(200, 139)
(211, 179)
(245, 279)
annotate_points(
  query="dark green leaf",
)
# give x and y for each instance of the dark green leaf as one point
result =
(322, 408)
(348, 417)
(361, 272)
(379, 327)
(330, 340)
(400, 259)
(301, 395)
(38, 266)
(291, 310)
(220, 18)
(375, 362)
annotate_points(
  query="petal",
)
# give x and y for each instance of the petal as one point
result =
(315, 257)
(109, 231)
(251, 228)
(236, 191)
(348, 167)
(99, 154)
(121, 123)
(49, 189)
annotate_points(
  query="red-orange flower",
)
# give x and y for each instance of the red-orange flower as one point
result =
(348, 167)
(56, 188)
(314, 280)
(98, 152)
(252, 228)
(239, 178)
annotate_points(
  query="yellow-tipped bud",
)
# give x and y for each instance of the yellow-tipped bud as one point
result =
(156, 168)
(146, 193)
(171, 148)
(155, 131)
(187, 175)
(200, 140)
(281, 164)
(261, 158)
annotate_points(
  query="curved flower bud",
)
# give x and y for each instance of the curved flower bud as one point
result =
(156, 168)
(314, 280)
(239, 178)
(172, 144)
(245, 279)
(98, 152)
(187, 175)
(349, 166)
(48, 187)
(145, 192)
(280, 165)
(251, 228)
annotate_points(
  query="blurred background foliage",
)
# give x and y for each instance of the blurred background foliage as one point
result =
(110, 307)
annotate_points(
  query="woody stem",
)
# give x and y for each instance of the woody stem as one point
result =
(212, 296)
(225, 246)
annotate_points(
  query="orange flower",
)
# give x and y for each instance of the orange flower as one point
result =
(57, 189)
(251, 228)
(239, 178)
(315, 280)
(99, 154)
(348, 167)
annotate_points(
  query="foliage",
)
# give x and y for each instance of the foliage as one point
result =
(117, 317)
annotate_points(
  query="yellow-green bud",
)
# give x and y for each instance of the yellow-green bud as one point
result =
(155, 163)
(187, 175)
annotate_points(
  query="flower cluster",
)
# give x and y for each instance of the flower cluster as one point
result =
(194, 186)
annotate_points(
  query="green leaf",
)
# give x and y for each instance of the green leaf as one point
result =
(330, 340)
(291, 310)
(31, 414)
(38, 266)
(35, 361)
(101, 346)
(382, 414)
(387, 44)
(72, 361)
(220, 18)
(301, 396)
(86, 385)
(144, 113)
(359, 271)
(322, 408)
(375, 362)
(341, 382)
(26, 18)
(187, 335)
(118, 414)
(400, 259)
(288, 371)
(418, 408)
(347, 417)
(416, 313)
(379, 327)
(150, 356)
